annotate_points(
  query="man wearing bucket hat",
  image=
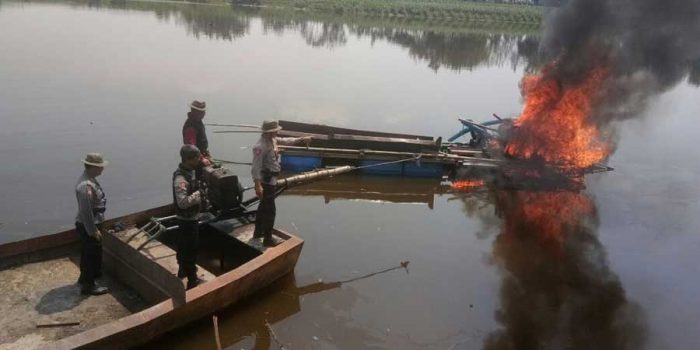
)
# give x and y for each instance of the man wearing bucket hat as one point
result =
(91, 209)
(194, 133)
(266, 167)
(188, 202)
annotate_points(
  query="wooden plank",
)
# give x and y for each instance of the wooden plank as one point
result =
(132, 277)
(377, 139)
(155, 261)
(329, 130)
(33, 247)
(356, 142)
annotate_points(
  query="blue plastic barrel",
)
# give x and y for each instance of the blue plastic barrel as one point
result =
(299, 164)
(395, 169)
(412, 169)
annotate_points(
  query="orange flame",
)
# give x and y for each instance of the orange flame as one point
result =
(467, 184)
(555, 124)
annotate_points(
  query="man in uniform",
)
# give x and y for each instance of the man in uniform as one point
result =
(266, 167)
(91, 209)
(194, 133)
(188, 199)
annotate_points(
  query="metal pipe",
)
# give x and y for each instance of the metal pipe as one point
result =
(235, 125)
(373, 152)
(477, 125)
(231, 162)
(237, 132)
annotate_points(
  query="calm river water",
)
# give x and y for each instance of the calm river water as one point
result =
(116, 78)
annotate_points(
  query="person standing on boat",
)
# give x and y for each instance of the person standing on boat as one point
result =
(91, 209)
(188, 199)
(266, 168)
(193, 131)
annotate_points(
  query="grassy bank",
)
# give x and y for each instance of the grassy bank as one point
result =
(448, 10)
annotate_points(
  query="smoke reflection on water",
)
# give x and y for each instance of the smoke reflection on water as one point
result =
(557, 290)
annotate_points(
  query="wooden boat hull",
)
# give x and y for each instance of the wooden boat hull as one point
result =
(203, 300)
(371, 150)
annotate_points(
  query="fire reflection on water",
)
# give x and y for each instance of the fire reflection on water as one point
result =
(558, 290)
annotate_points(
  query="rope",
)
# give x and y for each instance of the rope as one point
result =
(387, 163)
(274, 336)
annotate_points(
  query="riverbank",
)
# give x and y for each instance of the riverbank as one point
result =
(449, 10)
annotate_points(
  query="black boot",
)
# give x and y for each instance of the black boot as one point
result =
(193, 282)
(268, 241)
(181, 273)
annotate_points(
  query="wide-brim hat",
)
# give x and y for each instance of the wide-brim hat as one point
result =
(95, 159)
(271, 126)
(199, 105)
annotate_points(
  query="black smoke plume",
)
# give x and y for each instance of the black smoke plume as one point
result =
(649, 46)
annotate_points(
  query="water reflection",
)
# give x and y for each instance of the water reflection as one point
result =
(252, 324)
(457, 47)
(557, 289)
(374, 189)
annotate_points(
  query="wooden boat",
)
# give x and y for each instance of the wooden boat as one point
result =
(333, 146)
(42, 300)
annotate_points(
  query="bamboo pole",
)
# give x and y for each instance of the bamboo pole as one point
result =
(313, 175)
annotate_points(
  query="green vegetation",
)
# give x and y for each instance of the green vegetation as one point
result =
(448, 10)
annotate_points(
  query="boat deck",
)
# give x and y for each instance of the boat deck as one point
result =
(39, 283)
(244, 233)
(47, 293)
(157, 252)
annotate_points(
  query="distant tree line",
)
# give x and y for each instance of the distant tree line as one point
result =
(523, 2)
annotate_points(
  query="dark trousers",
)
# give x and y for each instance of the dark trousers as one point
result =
(90, 257)
(265, 218)
(187, 247)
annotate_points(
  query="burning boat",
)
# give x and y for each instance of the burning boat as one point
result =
(488, 149)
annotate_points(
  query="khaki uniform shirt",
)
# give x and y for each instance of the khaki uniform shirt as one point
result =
(266, 157)
(92, 203)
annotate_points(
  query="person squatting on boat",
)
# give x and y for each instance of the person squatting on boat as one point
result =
(193, 131)
(188, 199)
(266, 167)
(91, 209)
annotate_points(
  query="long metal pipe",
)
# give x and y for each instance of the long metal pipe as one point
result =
(234, 125)
(441, 156)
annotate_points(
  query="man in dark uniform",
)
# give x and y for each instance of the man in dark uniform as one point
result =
(265, 168)
(194, 133)
(91, 210)
(188, 200)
